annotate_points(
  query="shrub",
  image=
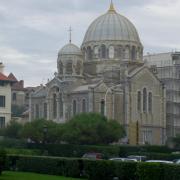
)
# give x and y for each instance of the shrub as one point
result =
(2, 159)
(126, 170)
(94, 170)
(150, 171)
(44, 165)
(99, 170)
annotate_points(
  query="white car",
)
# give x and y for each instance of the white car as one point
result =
(160, 161)
(123, 159)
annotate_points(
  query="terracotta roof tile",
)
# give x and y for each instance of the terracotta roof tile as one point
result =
(4, 78)
(12, 77)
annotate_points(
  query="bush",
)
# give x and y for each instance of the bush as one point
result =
(2, 160)
(156, 171)
(93, 170)
(44, 165)
(67, 150)
(126, 170)
(96, 170)
(150, 171)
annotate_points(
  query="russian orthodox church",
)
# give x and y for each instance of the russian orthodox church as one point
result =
(106, 75)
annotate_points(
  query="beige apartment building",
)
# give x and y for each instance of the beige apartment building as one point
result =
(5, 98)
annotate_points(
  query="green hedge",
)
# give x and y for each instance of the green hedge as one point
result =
(2, 160)
(44, 165)
(66, 150)
(94, 170)
(156, 171)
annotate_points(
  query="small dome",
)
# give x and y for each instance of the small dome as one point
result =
(111, 27)
(70, 49)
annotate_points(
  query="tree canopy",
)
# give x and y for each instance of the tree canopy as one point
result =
(82, 129)
(92, 129)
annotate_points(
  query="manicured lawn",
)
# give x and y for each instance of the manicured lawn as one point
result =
(30, 176)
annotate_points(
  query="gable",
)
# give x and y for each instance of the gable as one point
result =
(145, 76)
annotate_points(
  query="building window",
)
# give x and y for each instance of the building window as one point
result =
(133, 53)
(2, 101)
(102, 107)
(74, 107)
(111, 52)
(118, 52)
(60, 68)
(69, 67)
(144, 100)
(45, 110)
(14, 97)
(139, 101)
(96, 51)
(89, 53)
(61, 105)
(126, 53)
(2, 122)
(103, 51)
(150, 102)
(54, 106)
(37, 111)
(84, 106)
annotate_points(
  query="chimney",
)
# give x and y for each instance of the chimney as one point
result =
(21, 83)
(1, 67)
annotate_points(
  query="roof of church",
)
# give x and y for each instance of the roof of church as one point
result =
(111, 27)
(40, 92)
(70, 49)
(84, 87)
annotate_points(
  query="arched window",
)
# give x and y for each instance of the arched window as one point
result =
(150, 102)
(102, 107)
(139, 101)
(37, 111)
(111, 52)
(96, 51)
(133, 53)
(144, 100)
(89, 53)
(45, 110)
(61, 105)
(78, 67)
(60, 68)
(84, 106)
(69, 67)
(103, 51)
(118, 53)
(126, 53)
(74, 107)
(54, 106)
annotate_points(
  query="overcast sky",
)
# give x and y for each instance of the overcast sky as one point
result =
(33, 31)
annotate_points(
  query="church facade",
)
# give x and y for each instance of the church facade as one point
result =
(106, 75)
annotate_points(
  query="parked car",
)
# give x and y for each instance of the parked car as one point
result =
(123, 159)
(160, 161)
(93, 156)
(177, 161)
(138, 158)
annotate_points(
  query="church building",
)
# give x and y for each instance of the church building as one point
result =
(106, 75)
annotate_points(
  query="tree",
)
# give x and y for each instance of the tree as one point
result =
(12, 130)
(175, 141)
(92, 129)
(35, 131)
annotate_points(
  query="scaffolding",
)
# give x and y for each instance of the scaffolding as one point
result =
(168, 71)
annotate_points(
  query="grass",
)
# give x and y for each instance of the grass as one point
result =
(7, 175)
